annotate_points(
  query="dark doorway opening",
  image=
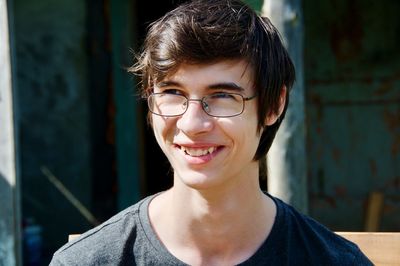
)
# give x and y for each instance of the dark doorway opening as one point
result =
(158, 173)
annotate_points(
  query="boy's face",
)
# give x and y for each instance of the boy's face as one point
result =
(206, 151)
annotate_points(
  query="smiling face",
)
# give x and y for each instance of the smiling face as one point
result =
(207, 151)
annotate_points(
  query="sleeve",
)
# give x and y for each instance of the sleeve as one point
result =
(56, 262)
(362, 260)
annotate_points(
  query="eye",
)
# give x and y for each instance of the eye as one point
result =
(223, 95)
(172, 91)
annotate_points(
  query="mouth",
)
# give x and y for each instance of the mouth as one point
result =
(198, 152)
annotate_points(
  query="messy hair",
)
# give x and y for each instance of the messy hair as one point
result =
(207, 31)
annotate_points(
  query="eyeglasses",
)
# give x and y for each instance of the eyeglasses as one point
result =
(217, 104)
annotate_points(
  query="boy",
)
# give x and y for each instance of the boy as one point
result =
(217, 78)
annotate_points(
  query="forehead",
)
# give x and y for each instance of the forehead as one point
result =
(207, 74)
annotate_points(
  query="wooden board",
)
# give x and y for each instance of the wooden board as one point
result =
(381, 248)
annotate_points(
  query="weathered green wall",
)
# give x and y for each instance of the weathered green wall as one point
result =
(127, 118)
(255, 4)
(352, 78)
(52, 113)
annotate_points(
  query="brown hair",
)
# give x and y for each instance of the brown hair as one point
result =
(205, 31)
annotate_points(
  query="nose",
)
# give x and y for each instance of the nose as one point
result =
(195, 121)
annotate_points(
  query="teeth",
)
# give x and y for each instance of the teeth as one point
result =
(198, 152)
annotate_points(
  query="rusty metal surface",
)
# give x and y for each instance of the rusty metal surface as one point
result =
(352, 73)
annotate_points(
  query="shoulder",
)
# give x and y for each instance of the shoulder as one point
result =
(103, 243)
(313, 242)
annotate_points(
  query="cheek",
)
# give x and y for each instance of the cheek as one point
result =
(248, 127)
(241, 129)
(163, 128)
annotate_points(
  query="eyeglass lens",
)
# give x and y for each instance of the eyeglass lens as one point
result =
(219, 104)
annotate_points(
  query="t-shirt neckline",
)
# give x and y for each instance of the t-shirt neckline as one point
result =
(144, 222)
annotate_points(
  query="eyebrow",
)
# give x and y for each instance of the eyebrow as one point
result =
(226, 86)
(217, 86)
(168, 83)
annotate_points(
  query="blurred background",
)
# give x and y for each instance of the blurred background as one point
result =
(80, 128)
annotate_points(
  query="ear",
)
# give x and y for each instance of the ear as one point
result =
(272, 117)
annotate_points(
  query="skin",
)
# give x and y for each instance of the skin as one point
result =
(203, 219)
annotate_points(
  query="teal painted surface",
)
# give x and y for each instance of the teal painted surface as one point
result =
(353, 110)
(255, 4)
(52, 114)
(55, 119)
(126, 102)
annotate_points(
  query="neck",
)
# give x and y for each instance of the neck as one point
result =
(230, 222)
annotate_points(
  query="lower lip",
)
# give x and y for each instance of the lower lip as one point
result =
(200, 159)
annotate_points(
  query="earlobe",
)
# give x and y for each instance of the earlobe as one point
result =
(272, 117)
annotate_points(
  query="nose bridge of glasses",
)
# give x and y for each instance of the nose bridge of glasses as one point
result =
(201, 101)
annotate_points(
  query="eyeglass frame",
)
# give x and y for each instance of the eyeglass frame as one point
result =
(244, 99)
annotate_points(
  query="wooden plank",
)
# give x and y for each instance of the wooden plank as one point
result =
(383, 249)
(374, 211)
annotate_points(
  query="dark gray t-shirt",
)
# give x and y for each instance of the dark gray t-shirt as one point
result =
(128, 239)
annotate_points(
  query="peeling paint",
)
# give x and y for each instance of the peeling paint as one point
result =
(373, 167)
(347, 33)
(341, 191)
(353, 109)
(392, 121)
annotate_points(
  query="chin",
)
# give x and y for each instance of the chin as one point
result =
(199, 181)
